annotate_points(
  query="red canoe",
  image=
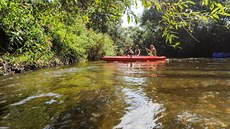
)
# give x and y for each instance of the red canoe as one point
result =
(133, 58)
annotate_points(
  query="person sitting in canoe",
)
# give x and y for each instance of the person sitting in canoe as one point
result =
(137, 51)
(128, 51)
(152, 51)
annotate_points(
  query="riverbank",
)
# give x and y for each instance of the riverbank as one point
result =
(11, 65)
(8, 68)
(37, 35)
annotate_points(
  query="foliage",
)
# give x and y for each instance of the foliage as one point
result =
(67, 31)
(121, 37)
(100, 14)
(189, 27)
(36, 32)
(183, 14)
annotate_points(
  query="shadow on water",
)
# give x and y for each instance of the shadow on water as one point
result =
(177, 93)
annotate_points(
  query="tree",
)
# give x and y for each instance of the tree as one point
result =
(181, 14)
(188, 25)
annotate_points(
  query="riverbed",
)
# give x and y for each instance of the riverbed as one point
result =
(175, 93)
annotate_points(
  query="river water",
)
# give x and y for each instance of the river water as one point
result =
(176, 93)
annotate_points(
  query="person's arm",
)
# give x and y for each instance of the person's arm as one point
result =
(139, 52)
(148, 50)
(154, 51)
(131, 51)
(126, 52)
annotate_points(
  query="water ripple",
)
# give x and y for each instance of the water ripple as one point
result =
(141, 113)
(35, 96)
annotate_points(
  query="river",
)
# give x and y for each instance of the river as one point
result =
(176, 93)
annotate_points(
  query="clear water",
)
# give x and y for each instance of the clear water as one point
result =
(177, 93)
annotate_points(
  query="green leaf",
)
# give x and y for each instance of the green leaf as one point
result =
(128, 18)
(176, 26)
(135, 3)
(174, 36)
(216, 9)
(185, 5)
(96, 1)
(205, 2)
(136, 20)
(86, 18)
(211, 17)
(216, 16)
(212, 7)
(225, 14)
(167, 38)
(222, 10)
(177, 43)
(158, 6)
(170, 39)
(219, 5)
(181, 7)
(204, 18)
(191, 2)
(146, 4)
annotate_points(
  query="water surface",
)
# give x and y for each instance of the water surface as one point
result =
(177, 93)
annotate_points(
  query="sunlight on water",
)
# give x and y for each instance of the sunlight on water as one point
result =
(33, 97)
(141, 113)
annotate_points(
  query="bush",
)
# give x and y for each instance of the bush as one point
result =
(41, 33)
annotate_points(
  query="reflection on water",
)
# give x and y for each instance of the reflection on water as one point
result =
(141, 113)
(177, 93)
